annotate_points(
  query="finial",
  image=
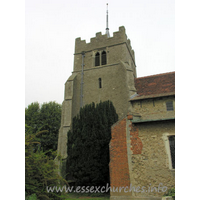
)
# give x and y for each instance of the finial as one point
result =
(107, 29)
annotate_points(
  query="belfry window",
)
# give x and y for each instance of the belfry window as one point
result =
(97, 59)
(100, 84)
(103, 58)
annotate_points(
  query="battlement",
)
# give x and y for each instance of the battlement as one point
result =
(102, 41)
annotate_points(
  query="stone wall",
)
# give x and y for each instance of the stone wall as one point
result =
(153, 108)
(150, 161)
(139, 159)
(113, 80)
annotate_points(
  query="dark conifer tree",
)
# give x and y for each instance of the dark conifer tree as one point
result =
(88, 144)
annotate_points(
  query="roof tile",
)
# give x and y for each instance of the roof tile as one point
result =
(155, 84)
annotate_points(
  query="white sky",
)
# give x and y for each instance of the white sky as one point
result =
(51, 27)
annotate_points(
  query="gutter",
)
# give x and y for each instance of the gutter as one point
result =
(136, 120)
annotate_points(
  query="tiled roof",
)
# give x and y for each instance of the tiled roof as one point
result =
(155, 85)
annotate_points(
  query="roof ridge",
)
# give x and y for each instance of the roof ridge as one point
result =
(161, 74)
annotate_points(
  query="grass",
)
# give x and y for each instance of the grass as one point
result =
(88, 198)
(73, 196)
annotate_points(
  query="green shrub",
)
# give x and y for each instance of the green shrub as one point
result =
(170, 192)
(40, 171)
(31, 197)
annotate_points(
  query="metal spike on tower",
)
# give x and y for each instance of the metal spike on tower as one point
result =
(107, 29)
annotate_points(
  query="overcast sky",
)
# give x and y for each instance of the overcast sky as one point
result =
(53, 25)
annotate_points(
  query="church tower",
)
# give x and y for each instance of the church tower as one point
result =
(104, 69)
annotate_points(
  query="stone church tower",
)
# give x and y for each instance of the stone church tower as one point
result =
(104, 69)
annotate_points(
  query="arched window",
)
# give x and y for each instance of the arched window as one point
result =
(100, 85)
(103, 58)
(97, 59)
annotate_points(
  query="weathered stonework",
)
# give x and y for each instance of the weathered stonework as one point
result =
(153, 108)
(136, 143)
(151, 166)
(149, 171)
(117, 75)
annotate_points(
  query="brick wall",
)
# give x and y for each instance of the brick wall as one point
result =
(136, 143)
(119, 171)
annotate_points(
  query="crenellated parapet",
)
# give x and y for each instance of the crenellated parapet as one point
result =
(102, 41)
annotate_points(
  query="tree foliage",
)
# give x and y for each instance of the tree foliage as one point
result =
(88, 144)
(39, 170)
(44, 117)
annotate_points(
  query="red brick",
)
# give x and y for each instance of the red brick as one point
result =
(119, 171)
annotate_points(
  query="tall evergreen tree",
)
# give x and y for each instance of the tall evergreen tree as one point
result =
(88, 144)
(44, 117)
